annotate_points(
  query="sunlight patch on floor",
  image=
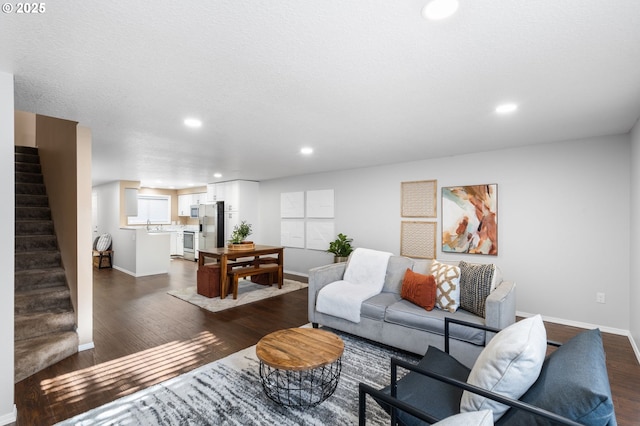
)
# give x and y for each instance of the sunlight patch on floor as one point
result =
(130, 373)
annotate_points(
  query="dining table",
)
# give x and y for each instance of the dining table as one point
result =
(223, 256)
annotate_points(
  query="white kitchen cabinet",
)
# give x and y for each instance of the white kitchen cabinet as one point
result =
(180, 243)
(196, 245)
(173, 244)
(198, 198)
(215, 192)
(231, 196)
(242, 203)
(240, 195)
(211, 193)
(184, 205)
(220, 191)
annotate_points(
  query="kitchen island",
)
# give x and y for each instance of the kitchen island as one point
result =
(139, 252)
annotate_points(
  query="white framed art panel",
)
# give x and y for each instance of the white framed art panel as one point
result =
(292, 233)
(319, 234)
(320, 204)
(292, 204)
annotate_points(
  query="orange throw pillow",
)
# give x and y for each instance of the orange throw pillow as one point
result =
(419, 289)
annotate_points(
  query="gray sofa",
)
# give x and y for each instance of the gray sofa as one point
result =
(387, 318)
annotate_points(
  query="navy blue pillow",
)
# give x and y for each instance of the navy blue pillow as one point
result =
(573, 383)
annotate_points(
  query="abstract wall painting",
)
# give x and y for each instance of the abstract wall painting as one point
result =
(470, 219)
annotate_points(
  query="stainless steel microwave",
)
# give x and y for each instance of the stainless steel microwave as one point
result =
(194, 211)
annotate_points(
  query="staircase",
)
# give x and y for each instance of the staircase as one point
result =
(44, 318)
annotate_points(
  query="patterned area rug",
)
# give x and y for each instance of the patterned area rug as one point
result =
(247, 292)
(228, 392)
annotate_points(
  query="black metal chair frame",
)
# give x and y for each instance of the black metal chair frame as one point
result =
(397, 404)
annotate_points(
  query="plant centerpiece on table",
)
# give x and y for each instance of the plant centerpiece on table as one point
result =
(238, 240)
(341, 248)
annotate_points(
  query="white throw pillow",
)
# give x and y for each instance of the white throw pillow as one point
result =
(447, 285)
(508, 365)
(473, 418)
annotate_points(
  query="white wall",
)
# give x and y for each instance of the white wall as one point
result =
(7, 237)
(108, 218)
(563, 217)
(634, 293)
(84, 307)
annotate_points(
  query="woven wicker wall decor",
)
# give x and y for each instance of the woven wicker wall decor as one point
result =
(418, 239)
(419, 198)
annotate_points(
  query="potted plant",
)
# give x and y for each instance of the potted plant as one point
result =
(239, 236)
(341, 248)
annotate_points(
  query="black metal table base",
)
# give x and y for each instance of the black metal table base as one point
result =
(300, 388)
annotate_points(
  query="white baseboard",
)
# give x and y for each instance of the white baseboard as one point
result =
(589, 326)
(86, 346)
(9, 418)
(578, 324)
(635, 348)
(302, 274)
(126, 271)
(133, 274)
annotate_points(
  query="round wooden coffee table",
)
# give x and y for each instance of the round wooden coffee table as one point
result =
(300, 366)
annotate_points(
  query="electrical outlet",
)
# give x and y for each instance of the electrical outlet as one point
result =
(600, 297)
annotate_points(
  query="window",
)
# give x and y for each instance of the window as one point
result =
(153, 209)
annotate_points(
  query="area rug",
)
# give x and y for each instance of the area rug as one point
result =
(247, 292)
(228, 392)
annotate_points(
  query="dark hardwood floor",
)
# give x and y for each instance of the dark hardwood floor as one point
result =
(144, 336)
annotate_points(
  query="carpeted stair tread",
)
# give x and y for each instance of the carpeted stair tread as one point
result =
(28, 326)
(27, 177)
(42, 299)
(26, 158)
(27, 200)
(37, 259)
(33, 355)
(28, 167)
(30, 227)
(23, 149)
(30, 188)
(32, 279)
(27, 243)
(33, 213)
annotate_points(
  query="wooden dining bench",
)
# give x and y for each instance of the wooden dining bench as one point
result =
(234, 274)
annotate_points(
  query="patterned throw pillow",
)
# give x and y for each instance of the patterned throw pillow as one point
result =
(103, 242)
(419, 289)
(475, 286)
(447, 285)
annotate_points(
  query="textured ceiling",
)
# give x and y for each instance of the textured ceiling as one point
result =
(363, 82)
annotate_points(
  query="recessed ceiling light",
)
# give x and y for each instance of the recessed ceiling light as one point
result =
(439, 9)
(192, 122)
(506, 108)
(306, 151)
(217, 175)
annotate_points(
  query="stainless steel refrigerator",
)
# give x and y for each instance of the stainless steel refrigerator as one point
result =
(211, 218)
